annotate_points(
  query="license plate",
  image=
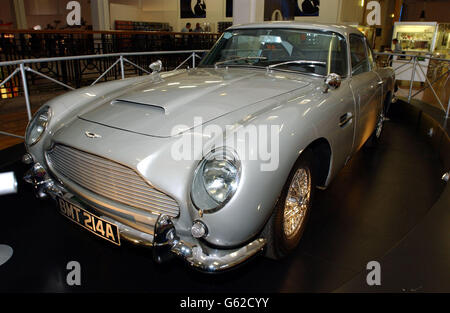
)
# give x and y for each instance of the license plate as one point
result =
(89, 221)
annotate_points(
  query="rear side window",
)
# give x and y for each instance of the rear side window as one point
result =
(358, 53)
(370, 56)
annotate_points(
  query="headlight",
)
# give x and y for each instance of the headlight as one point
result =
(37, 126)
(216, 179)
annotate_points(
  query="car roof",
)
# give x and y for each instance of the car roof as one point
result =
(341, 29)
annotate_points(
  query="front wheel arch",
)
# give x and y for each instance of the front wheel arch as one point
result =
(278, 244)
(321, 150)
(319, 153)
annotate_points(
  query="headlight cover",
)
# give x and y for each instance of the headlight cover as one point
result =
(37, 126)
(216, 179)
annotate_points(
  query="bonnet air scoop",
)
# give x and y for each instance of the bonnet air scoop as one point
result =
(119, 102)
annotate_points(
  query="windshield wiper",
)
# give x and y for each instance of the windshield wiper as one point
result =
(239, 59)
(297, 62)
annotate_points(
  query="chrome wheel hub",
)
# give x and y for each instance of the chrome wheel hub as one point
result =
(297, 202)
(379, 126)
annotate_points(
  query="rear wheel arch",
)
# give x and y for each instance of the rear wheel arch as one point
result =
(387, 101)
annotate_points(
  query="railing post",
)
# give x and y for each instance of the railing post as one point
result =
(448, 109)
(412, 80)
(25, 90)
(121, 67)
(193, 59)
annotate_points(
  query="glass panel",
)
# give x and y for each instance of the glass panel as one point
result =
(370, 56)
(417, 37)
(360, 63)
(263, 47)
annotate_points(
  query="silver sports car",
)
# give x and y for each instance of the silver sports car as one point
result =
(218, 163)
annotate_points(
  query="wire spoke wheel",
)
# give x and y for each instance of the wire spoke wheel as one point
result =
(287, 224)
(297, 202)
(379, 128)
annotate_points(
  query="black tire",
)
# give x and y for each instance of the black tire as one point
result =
(387, 103)
(374, 139)
(279, 244)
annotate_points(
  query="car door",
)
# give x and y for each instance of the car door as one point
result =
(365, 85)
(344, 106)
(380, 87)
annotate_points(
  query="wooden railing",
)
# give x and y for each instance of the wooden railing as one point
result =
(26, 44)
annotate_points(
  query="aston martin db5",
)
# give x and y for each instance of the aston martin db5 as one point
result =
(217, 163)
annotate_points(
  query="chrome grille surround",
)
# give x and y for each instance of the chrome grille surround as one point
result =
(109, 179)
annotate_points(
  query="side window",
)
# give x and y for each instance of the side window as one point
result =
(370, 56)
(360, 62)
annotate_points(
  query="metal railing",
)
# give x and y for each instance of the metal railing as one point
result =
(22, 67)
(423, 69)
(403, 63)
(28, 44)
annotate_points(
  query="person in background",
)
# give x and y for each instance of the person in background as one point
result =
(397, 46)
(187, 28)
(397, 49)
(198, 28)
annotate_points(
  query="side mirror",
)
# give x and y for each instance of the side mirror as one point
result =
(332, 81)
(156, 67)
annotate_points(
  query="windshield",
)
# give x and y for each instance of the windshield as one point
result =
(266, 47)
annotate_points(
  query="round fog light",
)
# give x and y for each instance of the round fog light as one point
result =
(27, 158)
(198, 230)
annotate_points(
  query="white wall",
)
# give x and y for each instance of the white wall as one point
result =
(248, 11)
(123, 12)
(168, 11)
(352, 11)
(331, 11)
(43, 12)
(165, 11)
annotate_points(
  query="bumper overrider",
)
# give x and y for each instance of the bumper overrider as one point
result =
(165, 241)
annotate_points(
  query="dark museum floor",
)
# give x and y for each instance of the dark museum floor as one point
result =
(382, 195)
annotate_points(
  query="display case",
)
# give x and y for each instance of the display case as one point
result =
(443, 41)
(415, 36)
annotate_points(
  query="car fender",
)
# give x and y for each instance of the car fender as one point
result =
(244, 216)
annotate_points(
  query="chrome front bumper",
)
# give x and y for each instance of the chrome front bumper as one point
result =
(165, 241)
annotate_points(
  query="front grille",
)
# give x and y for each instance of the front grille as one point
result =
(110, 180)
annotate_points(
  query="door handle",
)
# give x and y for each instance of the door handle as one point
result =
(345, 118)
